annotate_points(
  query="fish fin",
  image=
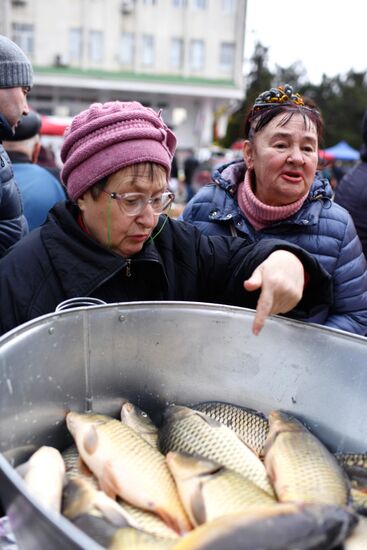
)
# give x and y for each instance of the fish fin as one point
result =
(168, 520)
(90, 441)
(269, 441)
(108, 481)
(212, 422)
(197, 505)
(111, 510)
(84, 469)
(23, 469)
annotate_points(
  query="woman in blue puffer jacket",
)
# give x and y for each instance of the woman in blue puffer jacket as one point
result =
(277, 192)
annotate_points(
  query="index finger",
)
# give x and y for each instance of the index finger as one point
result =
(263, 310)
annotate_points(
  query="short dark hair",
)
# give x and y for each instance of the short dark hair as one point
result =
(256, 120)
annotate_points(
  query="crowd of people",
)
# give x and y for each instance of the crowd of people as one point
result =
(266, 234)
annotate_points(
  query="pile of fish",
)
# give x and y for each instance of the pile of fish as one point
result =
(213, 476)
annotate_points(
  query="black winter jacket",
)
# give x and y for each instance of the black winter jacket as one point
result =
(13, 224)
(59, 261)
(351, 193)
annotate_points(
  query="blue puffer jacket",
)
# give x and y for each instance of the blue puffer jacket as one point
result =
(13, 224)
(321, 227)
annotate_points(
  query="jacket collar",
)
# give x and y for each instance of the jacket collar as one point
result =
(230, 175)
(6, 131)
(18, 158)
(81, 262)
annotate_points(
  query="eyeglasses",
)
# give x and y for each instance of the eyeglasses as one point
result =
(133, 204)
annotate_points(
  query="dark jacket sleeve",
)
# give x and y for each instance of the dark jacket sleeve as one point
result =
(13, 225)
(233, 260)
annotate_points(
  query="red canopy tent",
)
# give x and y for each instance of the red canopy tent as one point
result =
(327, 157)
(237, 145)
(54, 126)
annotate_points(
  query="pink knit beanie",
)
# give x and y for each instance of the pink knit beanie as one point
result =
(106, 137)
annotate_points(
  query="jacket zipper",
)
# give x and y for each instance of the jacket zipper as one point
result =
(128, 268)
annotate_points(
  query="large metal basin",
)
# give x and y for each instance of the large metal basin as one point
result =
(157, 353)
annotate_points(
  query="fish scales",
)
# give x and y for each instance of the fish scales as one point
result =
(76, 468)
(352, 459)
(134, 539)
(250, 425)
(314, 479)
(300, 466)
(189, 431)
(127, 465)
(230, 493)
(209, 490)
(147, 521)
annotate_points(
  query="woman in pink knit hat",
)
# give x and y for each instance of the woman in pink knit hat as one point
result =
(114, 242)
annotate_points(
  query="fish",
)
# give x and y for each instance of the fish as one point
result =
(209, 490)
(357, 474)
(359, 500)
(82, 495)
(251, 426)
(282, 527)
(76, 468)
(134, 539)
(352, 459)
(43, 475)
(139, 421)
(146, 521)
(187, 430)
(300, 467)
(127, 466)
(97, 527)
(80, 498)
(355, 466)
(357, 540)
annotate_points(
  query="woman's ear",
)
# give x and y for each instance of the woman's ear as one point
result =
(247, 154)
(81, 202)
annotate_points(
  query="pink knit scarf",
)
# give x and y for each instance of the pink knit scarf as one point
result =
(261, 215)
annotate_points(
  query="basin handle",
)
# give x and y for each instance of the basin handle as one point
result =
(79, 302)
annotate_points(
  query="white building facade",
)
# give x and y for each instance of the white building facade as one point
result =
(182, 56)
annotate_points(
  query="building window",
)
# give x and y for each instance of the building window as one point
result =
(197, 55)
(226, 57)
(96, 53)
(179, 3)
(229, 6)
(75, 44)
(148, 50)
(176, 53)
(199, 4)
(23, 35)
(126, 53)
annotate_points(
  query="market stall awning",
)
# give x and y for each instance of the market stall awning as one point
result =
(343, 151)
(327, 157)
(54, 126)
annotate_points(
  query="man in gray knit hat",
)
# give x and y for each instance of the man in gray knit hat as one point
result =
(16, 79)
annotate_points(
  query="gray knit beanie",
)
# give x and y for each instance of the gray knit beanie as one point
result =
(15, 69)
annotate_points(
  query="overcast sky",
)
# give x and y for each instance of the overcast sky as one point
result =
(328, 36)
